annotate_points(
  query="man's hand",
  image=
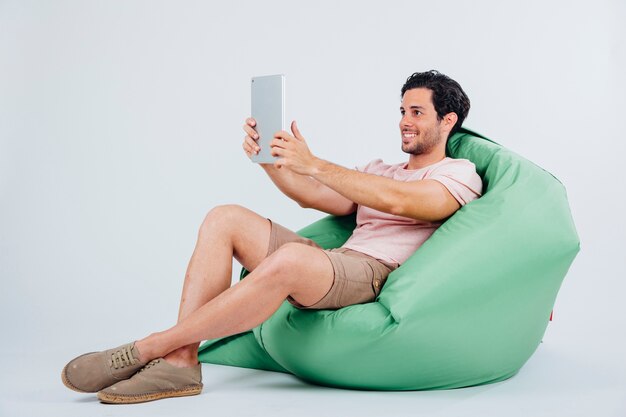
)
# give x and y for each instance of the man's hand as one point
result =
(293, 152)
(250, 145)
(303, 189)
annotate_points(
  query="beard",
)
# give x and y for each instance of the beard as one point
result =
(430, 139)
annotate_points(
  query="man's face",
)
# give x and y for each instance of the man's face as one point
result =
(419, 127)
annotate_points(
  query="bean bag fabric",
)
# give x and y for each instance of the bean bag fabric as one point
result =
(469, 307)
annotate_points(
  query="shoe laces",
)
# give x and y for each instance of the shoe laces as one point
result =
(150, 364)
(123, 357)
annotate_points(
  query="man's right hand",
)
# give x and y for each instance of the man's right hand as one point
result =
(250, 145)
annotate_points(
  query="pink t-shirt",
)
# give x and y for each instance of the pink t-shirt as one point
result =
(392, 238)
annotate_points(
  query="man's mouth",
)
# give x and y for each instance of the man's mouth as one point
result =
(408, 135)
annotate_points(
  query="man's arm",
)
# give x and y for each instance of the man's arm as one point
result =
(308, 192)
(304, 190)
(424, 200)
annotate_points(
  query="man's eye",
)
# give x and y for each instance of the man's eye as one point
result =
(417, 112)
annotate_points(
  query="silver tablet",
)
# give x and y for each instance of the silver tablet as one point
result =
(268, 109)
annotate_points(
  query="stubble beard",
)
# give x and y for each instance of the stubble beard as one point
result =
(431, 138)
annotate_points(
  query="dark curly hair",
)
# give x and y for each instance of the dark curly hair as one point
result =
(448, 96)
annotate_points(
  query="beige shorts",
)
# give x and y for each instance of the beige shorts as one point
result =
(359, 278)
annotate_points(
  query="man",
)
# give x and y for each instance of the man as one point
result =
(398, 207)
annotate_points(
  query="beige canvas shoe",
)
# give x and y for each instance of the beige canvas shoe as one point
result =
(93, 371)
(157, 380)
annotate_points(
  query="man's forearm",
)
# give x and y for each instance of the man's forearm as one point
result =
(369, 190)
(424, 200)
(299, 188)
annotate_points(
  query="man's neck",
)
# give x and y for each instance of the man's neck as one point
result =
(424, 160)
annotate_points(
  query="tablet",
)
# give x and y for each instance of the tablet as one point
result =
(268, 109)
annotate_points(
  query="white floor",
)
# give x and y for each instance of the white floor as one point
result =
(550, 384)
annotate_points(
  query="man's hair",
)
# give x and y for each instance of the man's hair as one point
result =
(448, 96)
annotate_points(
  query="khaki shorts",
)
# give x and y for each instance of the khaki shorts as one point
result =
(359, 278)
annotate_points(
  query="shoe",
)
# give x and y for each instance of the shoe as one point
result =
(157, 380)
(94, 371)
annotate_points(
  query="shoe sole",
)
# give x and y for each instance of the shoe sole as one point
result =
(133, 399)
(67, 382)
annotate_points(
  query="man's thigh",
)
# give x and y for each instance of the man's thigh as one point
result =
(279, 235)
(255, 234)
(246, 230)
(306, 263)
(357, 278)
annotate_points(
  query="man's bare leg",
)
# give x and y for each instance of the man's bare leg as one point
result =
(302, 271)
(226, 232)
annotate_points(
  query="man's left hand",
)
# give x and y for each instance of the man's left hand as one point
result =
(293, 151)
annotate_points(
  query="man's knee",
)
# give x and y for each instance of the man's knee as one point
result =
(291, 252)
(300, 271)
(223, 216)
(285, 261)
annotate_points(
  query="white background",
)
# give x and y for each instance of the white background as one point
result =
(120, 128)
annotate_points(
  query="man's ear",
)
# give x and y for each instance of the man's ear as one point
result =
(450, 120)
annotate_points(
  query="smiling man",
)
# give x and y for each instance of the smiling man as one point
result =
(398, 207)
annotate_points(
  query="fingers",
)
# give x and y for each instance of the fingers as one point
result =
(296, 131)
(283, 135)
(249, 144)
(278, 146)
(277, 150)
(278, 143)
(250, 131)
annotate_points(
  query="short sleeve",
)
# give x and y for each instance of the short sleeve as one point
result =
(368, 167)
(460, 178)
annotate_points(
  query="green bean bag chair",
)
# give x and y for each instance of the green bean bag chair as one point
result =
(469, 307)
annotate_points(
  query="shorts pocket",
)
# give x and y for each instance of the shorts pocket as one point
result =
(379, 277)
